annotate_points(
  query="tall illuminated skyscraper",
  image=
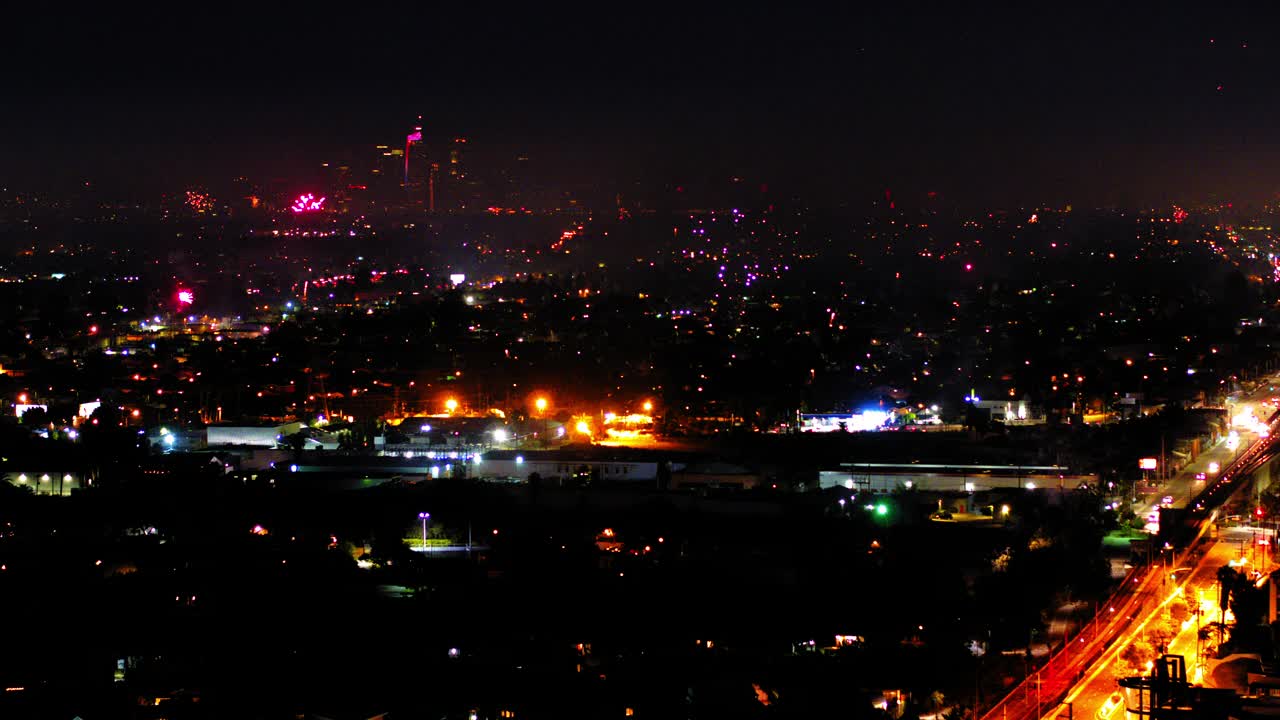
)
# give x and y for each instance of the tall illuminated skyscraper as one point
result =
(417, 168)
(386, 177)
(456, 170)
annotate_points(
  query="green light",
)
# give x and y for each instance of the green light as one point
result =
(882, 509)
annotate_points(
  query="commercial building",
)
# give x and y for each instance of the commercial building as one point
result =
(266, 436)
(582, 462)
(46, 479)
(887, 477)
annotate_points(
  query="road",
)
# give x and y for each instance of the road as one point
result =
(1082, 669)
(1198, 588)
(1185, 484)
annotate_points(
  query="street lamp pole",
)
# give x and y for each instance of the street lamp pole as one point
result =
(424, 517)
(540, 405)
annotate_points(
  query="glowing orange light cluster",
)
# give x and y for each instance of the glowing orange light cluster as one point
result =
(198, 201)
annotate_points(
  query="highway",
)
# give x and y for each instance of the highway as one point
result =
(1185, 484)
(1198, 588)
(1081, 671)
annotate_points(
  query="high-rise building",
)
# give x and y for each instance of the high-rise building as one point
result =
(516, 192)
(462, 192)
(417, 169)
(456, 171)
(336, 183)
(386, 178)
(433, 174)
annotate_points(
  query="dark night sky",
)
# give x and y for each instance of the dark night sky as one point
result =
(1053, 103)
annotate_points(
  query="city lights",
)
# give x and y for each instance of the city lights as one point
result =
(395, 313)
(863, 421)
(199, 202)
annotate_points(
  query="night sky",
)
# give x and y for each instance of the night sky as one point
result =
(1004, 104)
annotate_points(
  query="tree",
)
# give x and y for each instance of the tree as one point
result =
(1227, 578)
(35, 417)
(105, 416)
(295, 442)
(1134, 658)
(977, 419)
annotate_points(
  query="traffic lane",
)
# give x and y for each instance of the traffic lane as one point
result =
(1090, 695)
(1203, 579)
(1100, 682)
(1093, 696)
(1184, 484)
(1068, 664)
(1071, 663)
(1056, 678)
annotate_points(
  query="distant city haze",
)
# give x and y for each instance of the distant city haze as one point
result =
(985, 106)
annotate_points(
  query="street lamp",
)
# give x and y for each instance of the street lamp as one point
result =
(451, 405)
(540, 405)
(424, 517)
(648, 406)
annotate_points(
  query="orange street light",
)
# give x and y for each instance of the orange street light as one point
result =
(540, 404)
(648, 406)
(451, 405)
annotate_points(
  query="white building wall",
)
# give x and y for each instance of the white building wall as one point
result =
(612, 470)
(946, 482)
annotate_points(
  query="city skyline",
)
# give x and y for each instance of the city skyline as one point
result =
(994, 106)
(896, 363)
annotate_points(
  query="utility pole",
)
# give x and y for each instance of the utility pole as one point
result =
(1164, 470)
(976, 677)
